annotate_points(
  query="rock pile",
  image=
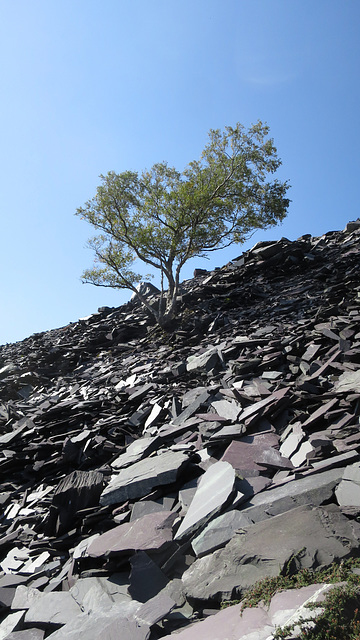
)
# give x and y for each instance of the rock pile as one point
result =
(146, 477)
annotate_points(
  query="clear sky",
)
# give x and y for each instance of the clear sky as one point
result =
(89, 86)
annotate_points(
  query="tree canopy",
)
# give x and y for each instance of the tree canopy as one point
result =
(164, 217)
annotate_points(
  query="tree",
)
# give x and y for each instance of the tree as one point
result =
(164, 217)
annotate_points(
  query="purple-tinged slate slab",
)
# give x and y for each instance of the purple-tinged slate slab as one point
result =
(272, 458)
(141, 477)
(258, 407)
(319, 413)
(243, 455)
(214, 490)
(151, 532)
(256, 623)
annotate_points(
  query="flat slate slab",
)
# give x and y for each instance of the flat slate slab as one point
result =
(314, 536)
(218, 532)
(135, 451)
(141, 477)
(57, 607)
(313, 489)
(213, 491)
(119, 621)
(151, 532)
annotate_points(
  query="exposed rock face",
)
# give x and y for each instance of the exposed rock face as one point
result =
(145, 477)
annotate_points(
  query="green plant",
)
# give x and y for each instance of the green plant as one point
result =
(339, 620)
(164, 217)
(265, 589)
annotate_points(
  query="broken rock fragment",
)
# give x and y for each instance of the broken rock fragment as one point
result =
(140, 478)
(213, 491)
(152, 532)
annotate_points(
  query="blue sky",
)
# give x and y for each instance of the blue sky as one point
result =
(89, 86)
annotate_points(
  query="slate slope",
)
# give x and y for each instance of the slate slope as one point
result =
(136, 466)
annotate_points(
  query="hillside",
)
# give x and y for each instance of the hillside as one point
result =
(146, 477)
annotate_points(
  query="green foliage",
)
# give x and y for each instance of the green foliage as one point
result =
(163, 217)
(265, 589)
(340, 619)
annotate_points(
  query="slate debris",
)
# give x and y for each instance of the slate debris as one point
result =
(137, 465)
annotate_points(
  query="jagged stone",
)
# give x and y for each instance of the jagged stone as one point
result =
(135, 451)
(146, 578)
(105, 625)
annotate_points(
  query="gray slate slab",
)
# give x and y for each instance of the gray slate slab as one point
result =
(348, 491)
(146, 578)
(227, 409)
(116, 622)
(58, 607)
(206, 361)
(218, 532)
(10, 623)
(313, 489)
(348, 381)
(314, 535)
(214, 489)
(141, 477)
(135, 451)
(28, 634)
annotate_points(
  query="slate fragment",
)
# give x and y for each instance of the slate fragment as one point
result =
(213, 491)
(146, 578)
(52, 608)
(312, 489)
(79, 490)
(219, 531)
(141, 477)
(105, 625)
(152, 532)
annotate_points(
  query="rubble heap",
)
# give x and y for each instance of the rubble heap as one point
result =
(147, 477)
